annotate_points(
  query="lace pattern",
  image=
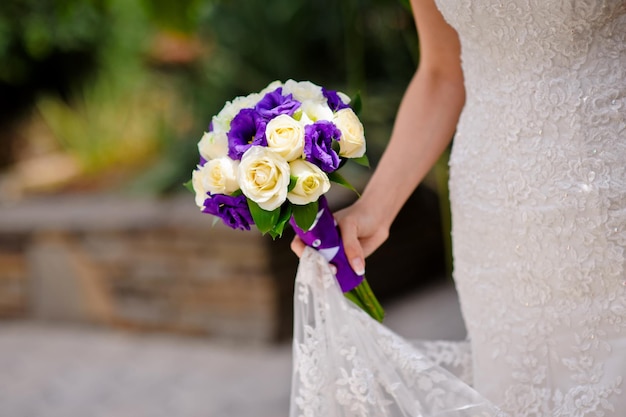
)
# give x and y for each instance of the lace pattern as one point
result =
(455, 357)
(347, 364)
(538, 191)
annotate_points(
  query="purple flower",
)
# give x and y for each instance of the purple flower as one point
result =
(246, 129)
(318, 145)
(334, 101)
(233, 211)
(274, 104)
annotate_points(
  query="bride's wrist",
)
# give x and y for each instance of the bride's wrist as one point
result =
(376, 211)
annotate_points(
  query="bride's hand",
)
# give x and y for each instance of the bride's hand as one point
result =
(361, 233)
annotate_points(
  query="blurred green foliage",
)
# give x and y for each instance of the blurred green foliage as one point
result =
(47, 45)
(350, 43)
(180, 15)
(32, 31)
(44, 46)
(53, 46)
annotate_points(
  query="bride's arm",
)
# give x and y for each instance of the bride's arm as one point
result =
(423, 128)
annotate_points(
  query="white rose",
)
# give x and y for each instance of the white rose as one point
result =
(217, 176)
(315, 111)
(285, 135)
(247, 102)
(304, 91)
(311, 184)
(264, 177)
(199, 186)
(221, 175)
(221, 121)
(270, 87)
(213, 145)
(352, 142)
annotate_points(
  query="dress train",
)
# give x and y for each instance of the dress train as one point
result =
(347, 364)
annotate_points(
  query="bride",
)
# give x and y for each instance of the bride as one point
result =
(536, 90)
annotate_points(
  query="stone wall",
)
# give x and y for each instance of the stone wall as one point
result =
(13, 272)
(146, 265)
(158, 265)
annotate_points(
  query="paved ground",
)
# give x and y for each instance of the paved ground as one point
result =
(52, 371)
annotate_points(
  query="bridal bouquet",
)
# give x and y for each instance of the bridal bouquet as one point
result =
(268, 159)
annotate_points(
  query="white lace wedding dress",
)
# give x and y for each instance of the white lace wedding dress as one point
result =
(538, 191)
(347, 364)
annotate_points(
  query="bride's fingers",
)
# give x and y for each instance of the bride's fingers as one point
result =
(352, 246)
(297, 246)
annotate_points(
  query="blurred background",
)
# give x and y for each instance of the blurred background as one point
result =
(116, 295)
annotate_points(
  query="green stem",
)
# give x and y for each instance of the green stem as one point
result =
(352, 296)
(364, 297)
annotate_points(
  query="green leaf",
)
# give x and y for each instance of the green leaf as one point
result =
(305, 215)
(189, 185)
(339, 179)
(264, 220)
(363, 161)
(292, 183)
(285, 215)
(356, 103)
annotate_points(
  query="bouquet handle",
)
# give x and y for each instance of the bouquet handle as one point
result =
(324, 236)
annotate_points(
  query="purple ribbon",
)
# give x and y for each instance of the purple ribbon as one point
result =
(324, 237)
